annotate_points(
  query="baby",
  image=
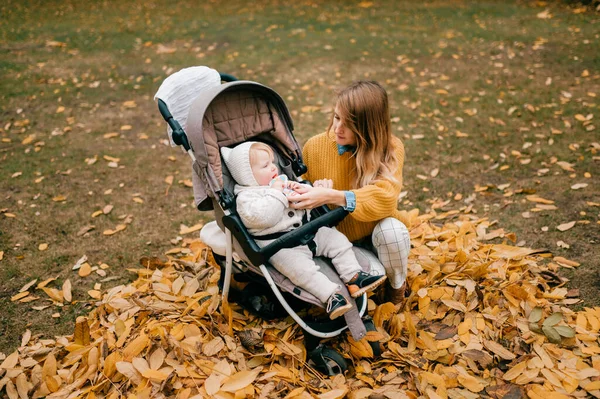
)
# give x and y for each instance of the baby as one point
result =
(262, 203)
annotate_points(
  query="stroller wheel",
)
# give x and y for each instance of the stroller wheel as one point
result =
(328, 361)
(375, 345)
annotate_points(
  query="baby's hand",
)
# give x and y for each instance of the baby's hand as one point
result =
(277, 185)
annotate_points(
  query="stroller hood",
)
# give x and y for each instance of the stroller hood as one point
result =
(230, 114)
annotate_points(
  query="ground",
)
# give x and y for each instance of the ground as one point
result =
(496, 103)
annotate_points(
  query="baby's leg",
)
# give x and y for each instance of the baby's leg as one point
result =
(334, 245)
(298, 265)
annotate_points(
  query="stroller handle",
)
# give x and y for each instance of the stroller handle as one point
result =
(300, 236)
(178, 134)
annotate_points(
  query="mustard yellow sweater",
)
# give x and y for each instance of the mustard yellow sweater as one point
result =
(373, 202)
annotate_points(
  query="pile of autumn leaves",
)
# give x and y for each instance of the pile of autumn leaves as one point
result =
(482, 319)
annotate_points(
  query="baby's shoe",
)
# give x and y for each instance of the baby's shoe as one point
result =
(363, 282)
(337, 305)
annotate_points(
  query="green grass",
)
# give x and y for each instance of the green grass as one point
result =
(304, 51)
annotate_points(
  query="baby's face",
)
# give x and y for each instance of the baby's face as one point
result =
(263, 168)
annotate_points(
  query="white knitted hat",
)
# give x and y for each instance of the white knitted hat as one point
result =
(237, 160)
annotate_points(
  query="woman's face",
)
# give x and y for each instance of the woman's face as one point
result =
(343, 135)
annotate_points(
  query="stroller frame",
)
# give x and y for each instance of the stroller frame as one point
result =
(325, 359)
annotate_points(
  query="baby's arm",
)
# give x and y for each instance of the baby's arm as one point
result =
(261, 209)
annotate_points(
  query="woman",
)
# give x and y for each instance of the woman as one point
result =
(358, 164)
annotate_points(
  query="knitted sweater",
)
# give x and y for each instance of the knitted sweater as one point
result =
(373, 202)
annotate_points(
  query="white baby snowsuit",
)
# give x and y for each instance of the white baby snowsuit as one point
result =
(266, 210)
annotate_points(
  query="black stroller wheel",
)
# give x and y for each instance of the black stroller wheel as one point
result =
(375, 345)
(328, 361)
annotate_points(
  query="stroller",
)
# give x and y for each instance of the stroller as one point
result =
(226, 114)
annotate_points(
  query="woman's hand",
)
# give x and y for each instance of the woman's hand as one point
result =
(325, 183)
(313, 197)
(294, 185)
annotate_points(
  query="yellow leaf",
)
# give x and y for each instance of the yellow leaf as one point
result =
(360, 349)
(213, 347)
(95, 294)
(565, 262)
(565, 226)
(49, 368)
(471, 383)
(19, 296)
(334, 394)
(110, 363)
(22, 386)
(135, 347)
(54, 294)
(52, 383)
(10, 361)
(81, 335)
(383, 313)
(515, 371)
(535, 198)
(155, 375)
(43, 247)
(240, 380)
(28, 140)
(183, 229)
(498, 349)
(592, 386)
(66, 289)
(128, 371)
(85, 270)
(140, 364)
(111, 159)
(212, 384)
(157, 358)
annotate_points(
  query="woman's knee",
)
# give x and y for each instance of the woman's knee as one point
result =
(390, 231)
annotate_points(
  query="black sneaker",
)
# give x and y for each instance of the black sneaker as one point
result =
(337, 305)
(363, 282)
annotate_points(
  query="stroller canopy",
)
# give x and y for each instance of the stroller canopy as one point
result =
(230, 114)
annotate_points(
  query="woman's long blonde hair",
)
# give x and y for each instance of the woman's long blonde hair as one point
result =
(363, 108)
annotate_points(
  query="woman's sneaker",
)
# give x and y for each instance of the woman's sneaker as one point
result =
(363, 282)
(337, 305)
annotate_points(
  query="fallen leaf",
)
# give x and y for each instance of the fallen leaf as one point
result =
(578, 186)
(183, 229)
(240, 380)
(66, 288)
(85, 270)
(565, 226)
